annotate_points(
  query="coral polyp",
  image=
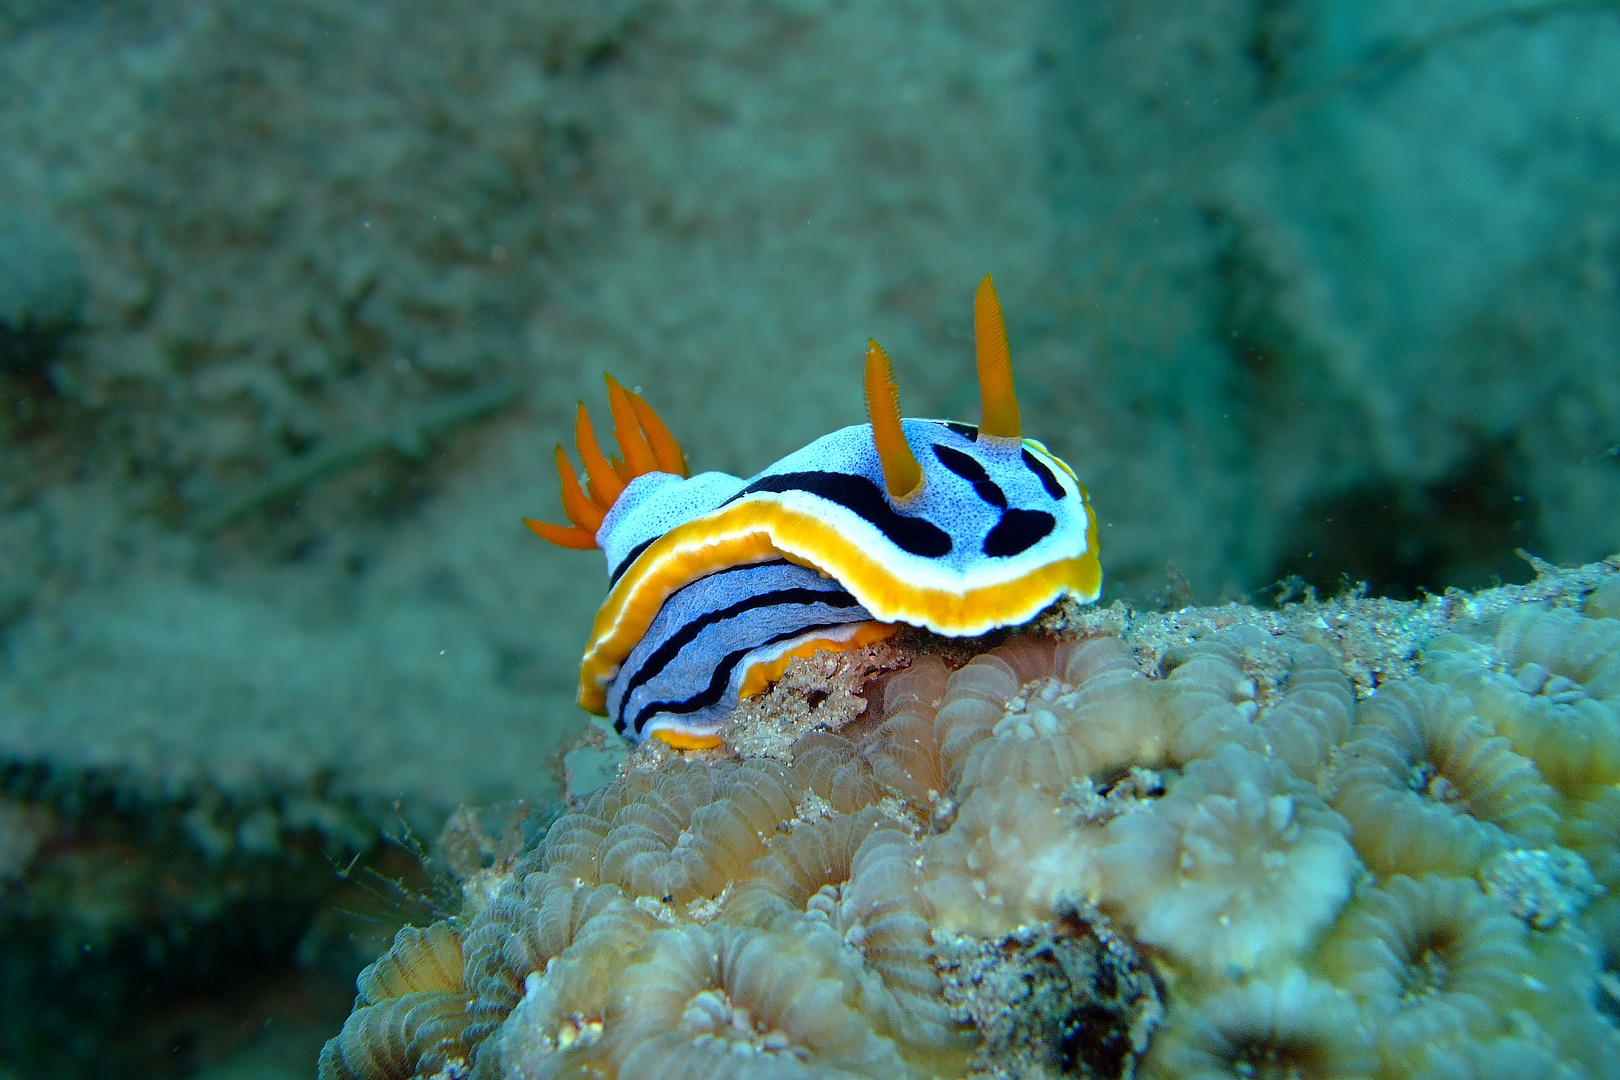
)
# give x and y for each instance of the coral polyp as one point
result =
(1241, 864)
(1434, 961)
(1195, 845)
(411, 1016)
(1291, 1027)
(1432, 787)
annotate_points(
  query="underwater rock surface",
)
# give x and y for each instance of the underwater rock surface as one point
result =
(1315, 288)
(1360, 838)
(42, 289)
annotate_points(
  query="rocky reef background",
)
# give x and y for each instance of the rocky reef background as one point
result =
(295, 298)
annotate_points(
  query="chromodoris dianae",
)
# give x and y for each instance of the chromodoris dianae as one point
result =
(717, 582)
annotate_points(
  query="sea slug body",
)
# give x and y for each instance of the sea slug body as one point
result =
(717, 582)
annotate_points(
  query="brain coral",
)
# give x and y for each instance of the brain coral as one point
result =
(1344, 840)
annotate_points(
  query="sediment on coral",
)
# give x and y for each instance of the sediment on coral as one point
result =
(1191, 849)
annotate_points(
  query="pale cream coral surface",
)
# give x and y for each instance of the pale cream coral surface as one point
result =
(1194, 845)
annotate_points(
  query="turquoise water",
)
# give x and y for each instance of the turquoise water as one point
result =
(296, 297)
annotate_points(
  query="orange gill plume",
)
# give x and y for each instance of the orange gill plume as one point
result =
(646, 445)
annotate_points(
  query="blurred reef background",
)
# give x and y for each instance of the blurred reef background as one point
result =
(296, 296)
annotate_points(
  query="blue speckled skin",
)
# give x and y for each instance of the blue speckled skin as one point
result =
(686, 671)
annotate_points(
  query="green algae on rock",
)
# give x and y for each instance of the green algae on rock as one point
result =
(1214, 842)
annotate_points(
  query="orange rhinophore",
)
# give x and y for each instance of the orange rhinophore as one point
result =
(998, 403)
(902, 476)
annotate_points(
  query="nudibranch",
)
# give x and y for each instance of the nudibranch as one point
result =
(716, 583)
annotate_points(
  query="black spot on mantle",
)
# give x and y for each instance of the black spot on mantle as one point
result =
(1017, 532)
(972, 470)
(1048, 481)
